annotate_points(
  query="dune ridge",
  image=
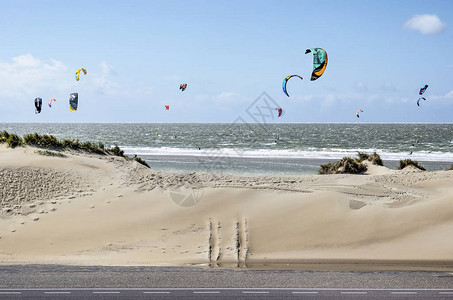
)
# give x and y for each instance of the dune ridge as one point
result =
(90, 209)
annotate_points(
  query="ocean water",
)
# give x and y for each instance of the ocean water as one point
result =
(260, 149)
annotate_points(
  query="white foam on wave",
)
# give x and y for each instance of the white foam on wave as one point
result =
(286, 153)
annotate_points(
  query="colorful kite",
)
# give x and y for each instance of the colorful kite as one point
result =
(50, 102)
(423, 89)
(319, 62)
(73, 101)
(357, 113)
(77, 73)
(285, 81)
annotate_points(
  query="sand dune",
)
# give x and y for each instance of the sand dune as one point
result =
(103, 210)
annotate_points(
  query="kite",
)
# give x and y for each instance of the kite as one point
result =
(167, 107)
(280, 112)
(319, 62)
(285, 81)
(73, 101)
(423, 89)
(183, 86)
(357, 113)
(50, 102)
(77, 73)
(38, 105)
(418, 101)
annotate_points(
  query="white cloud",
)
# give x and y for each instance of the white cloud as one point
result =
(330, 99)
(26, 76)
(26, 61)
(303, 98)
(361, 87)
(104, 79)
(426, 24)
(226, 98)
(388, 87)
(449, 95)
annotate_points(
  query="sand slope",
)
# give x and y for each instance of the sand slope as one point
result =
(90, 210)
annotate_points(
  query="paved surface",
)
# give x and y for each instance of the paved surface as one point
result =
(226, 294)
(74, 282)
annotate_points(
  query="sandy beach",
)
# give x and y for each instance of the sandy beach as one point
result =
(87, 209)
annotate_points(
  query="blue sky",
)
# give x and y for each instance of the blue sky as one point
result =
(228, 52)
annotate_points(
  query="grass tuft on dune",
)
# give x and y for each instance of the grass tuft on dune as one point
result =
(50, 153)
(374, 158)
(347, 165)
(408, 162)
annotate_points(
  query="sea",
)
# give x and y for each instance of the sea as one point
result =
(259, 149)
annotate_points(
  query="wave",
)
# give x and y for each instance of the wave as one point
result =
(311, 153)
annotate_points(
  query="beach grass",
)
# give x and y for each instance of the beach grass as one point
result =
(141, 161)
(347, 165)
(408, 162)
(374, 158)
(50, 142)
(50, 153)
(12, 140)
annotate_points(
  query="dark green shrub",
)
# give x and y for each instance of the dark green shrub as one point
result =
(42, 141)
(346, 165)
(13, 140)
(407, 162)
(141, 161)
(374, 158)
(115, 150)
(362, 156)
(3, 136)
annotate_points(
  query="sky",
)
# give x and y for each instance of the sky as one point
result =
(137, 53)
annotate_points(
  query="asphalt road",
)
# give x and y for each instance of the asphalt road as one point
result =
(225, 294)
(94, 282)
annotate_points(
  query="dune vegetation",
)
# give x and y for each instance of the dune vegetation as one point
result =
(349, 165)
(408, 162)
(50, 142)
(374, 158)
(50, 153)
